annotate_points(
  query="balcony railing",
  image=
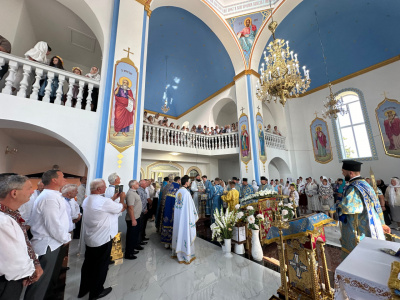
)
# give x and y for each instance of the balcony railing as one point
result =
(175, 137)
(169, 136)
(24, 79)
(275, 141)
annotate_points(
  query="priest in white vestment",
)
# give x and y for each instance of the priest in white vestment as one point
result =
(184, 230)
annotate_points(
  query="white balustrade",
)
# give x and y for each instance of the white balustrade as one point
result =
(24, 79)
(275, 141)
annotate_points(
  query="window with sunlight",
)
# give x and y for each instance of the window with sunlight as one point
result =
(353, 135)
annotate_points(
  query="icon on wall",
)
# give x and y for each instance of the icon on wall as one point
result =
(122, 124)
(387, 114)
(321, 142)
(245, 151)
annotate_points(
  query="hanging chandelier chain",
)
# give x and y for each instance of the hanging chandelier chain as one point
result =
(322, 48)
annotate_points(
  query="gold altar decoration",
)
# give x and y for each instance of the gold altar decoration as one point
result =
(301, 275)
(116, 250)
(280, 75)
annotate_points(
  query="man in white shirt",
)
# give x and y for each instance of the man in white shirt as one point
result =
(69, 192)
(26, 208)
(100, 227)
(49, 227)
(114, 180)
(18, 264)
(79, 198)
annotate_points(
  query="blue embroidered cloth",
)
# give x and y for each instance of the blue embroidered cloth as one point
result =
(304, 225)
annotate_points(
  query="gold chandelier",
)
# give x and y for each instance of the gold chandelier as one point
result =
(280, 75)
(333, 106)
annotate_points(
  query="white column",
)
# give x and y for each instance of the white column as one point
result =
(61, 79)
(24, 83)
(12, 69)
(50, 77)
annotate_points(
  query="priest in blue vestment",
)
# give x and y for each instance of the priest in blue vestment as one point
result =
(209, 191)
(167, 221)
(158, 213)
(246, 189)
(264, 184)
(359, 211)
(216, 203)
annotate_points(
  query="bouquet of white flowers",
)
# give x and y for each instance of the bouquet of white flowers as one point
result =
(260, 195)
(222, 228)
(286, 210)
(254, 222)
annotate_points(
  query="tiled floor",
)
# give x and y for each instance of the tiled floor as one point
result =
(155, 275)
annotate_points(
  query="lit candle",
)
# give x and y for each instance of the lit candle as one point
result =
(274, 57)
(295, 57)
(279, 74)
(287, 44)
(265, 54)
(283, 54)
(291, 54)
(267, 60)
(288, 67)
(304, 70)
(270, 77)
(262, 66)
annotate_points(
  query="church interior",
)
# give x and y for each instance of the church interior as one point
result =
(255, 95)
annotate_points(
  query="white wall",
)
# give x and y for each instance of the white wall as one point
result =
(7, 160)
(9, 18)
(36, 158)
(228, 168)
(372, 84)
(25, 34)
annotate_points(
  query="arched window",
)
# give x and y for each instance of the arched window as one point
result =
(353, 131)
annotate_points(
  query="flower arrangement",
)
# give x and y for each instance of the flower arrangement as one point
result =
(286, 210)
(254, 222)
(224, 222)
(260, 195)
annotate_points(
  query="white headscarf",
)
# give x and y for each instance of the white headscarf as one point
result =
(392, 192)
(327, 183)
(95, 76)
(38, 52)
(255, 186)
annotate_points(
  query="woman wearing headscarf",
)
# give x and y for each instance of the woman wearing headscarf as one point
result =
(95, 75)
(313, 203)
(392, 196)
(325, 193)
(58, 63)
(255, 186)
(38, 54)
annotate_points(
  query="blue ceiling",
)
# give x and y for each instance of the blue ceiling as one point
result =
(198, 64)
(356, 34)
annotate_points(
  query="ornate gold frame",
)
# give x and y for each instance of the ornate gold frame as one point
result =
(128, 61)
(379, 124)
(312, 140)
(166, 163)
(262, 123)
(245, 161)
(194, 168)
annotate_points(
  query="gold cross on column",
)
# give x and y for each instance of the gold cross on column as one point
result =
(129, 51)
(242, 109)
(316, 114)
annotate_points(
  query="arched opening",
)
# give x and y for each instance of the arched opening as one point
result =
(227, 114)
(278, 169)
(65, 32)
(31, 153)
(193, 172)
(159, 170)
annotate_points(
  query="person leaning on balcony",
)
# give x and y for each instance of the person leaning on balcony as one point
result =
(5, 46)
(38, 54)
(95, 75)
(269, 128)
(75, 88)
(56, 62)
(276, 131)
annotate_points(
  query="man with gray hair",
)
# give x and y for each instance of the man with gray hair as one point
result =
(18, 264)
(26, 209)
(100, 227)
(114, 180)
(133, 218)
(69, 192)
(49, 227)
(146, 202)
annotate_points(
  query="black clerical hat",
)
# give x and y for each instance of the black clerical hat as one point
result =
(166, 178)
(234, 178)
(352, 165)
(263, 178)
(244, 179)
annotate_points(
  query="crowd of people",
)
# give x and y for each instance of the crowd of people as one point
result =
(200, 129)
(39, 53)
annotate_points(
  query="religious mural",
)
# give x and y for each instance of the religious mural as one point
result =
(387, 115)
(245, 151)
(246, 28)
(321, 142)
(121, 129)
(261, 138)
